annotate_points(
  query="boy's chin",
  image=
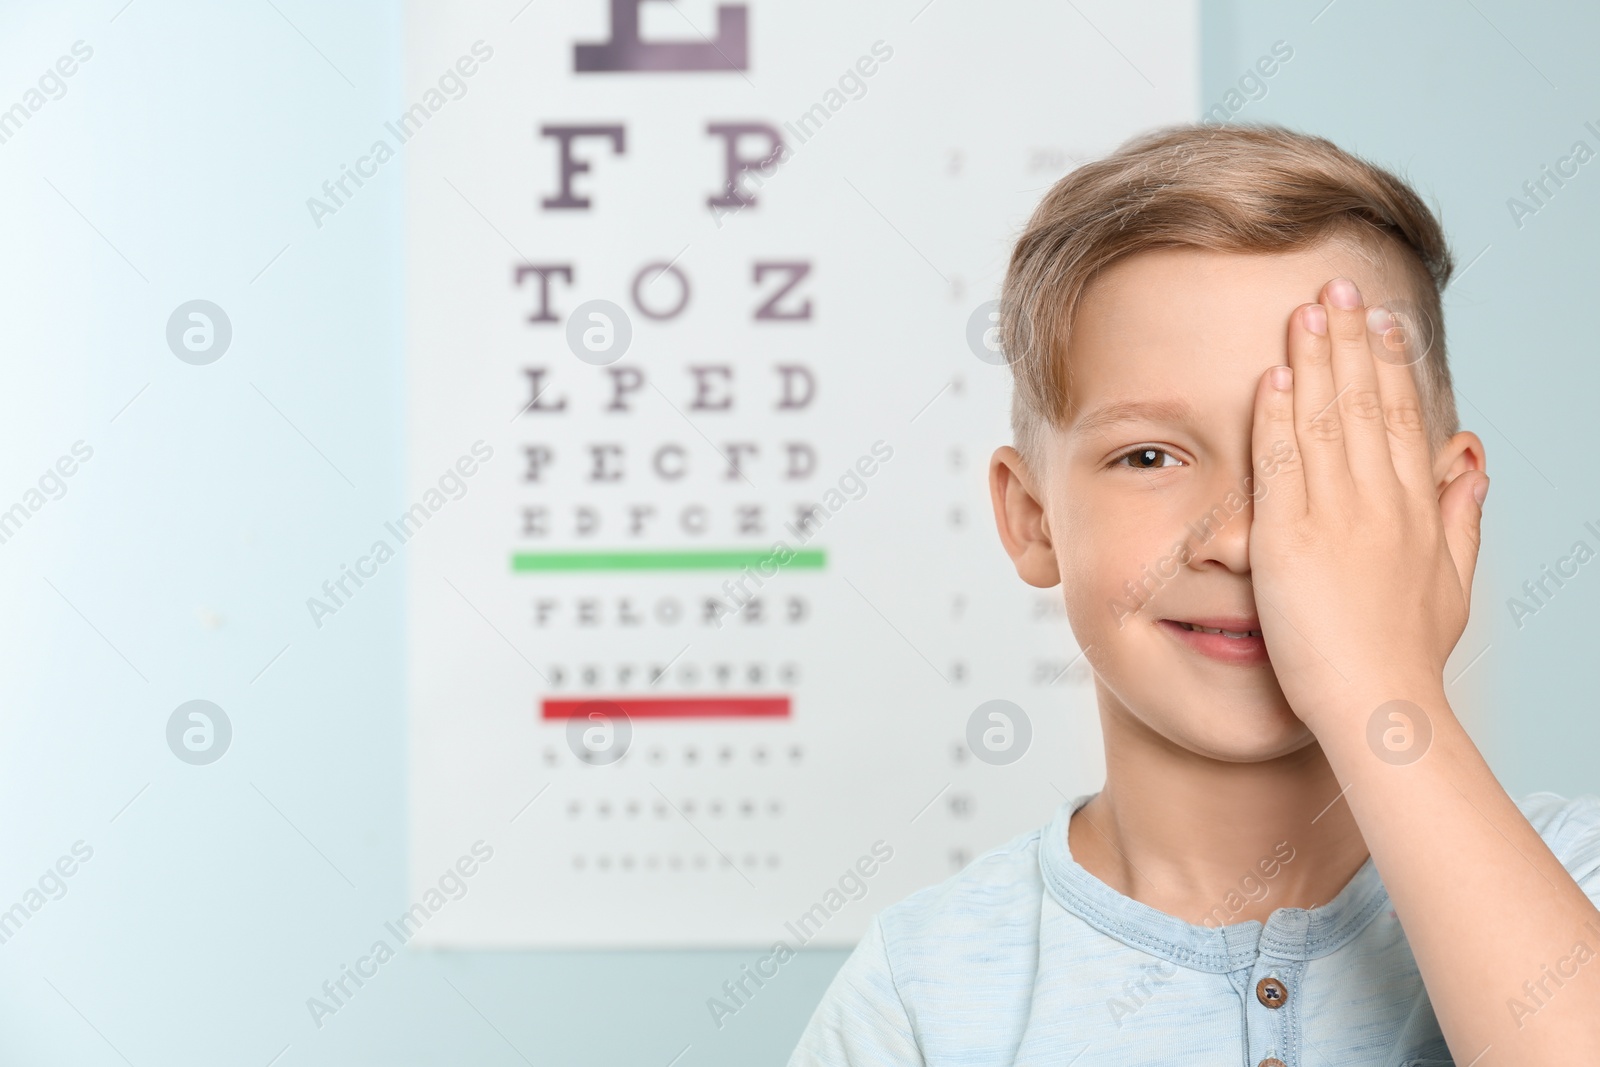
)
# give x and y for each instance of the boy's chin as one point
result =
(1249, 736)
(1263, 752)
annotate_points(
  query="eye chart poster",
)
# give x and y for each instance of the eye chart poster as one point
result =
(711, 641)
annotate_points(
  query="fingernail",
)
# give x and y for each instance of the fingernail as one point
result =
(1281, 378)
(1481, 491)
(1344, 294)
(1379, 320)
(1316, 319)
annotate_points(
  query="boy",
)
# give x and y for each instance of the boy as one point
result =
(1233, 413)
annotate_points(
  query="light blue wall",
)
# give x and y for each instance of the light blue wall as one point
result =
(176, 565)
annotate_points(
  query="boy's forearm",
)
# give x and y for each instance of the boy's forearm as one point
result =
(1485, 904)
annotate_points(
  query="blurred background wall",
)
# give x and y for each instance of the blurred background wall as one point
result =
(174, 164)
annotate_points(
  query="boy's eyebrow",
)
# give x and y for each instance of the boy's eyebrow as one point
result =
(1175, 410)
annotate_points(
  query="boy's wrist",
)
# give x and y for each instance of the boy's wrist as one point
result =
(1395, 715)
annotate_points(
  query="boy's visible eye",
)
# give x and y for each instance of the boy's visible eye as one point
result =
(1145, 458)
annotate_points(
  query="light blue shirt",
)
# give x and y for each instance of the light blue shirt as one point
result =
(1024, 957)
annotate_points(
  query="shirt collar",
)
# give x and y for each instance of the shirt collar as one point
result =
(1290, 933)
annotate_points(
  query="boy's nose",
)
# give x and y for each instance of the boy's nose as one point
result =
(1221, 533)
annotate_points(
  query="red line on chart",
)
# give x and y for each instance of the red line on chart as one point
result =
(671, 707)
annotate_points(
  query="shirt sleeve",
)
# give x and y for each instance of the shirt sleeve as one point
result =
(861, 1019)
(1576, 843)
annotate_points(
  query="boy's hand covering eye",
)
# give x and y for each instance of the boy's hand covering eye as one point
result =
(1362, 573)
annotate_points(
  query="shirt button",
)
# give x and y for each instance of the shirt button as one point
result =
(1272, 993)
(1271, 1061)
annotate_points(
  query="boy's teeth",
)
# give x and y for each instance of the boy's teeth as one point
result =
(1225, 633)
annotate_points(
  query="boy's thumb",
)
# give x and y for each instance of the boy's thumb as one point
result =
(1461, 508)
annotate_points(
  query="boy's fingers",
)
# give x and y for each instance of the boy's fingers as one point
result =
(1355, 379)
(1317, 428)
(1279, 473)
(1399, 349)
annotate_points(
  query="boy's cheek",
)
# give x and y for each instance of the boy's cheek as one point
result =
(1098, 603)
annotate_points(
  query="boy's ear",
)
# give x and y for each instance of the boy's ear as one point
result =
(1020, 517)
(1463, 452)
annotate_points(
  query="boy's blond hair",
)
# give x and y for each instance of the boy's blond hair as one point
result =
(1236, 188)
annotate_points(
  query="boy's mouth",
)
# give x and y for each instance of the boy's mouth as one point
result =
(1208, 629)
(1228, 627)
(1234, 639)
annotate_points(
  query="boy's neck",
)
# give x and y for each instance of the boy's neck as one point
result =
(1217, 843)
